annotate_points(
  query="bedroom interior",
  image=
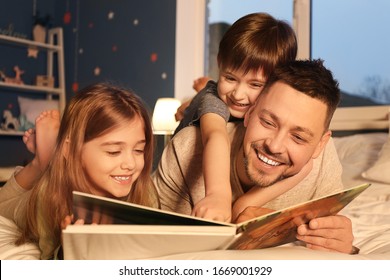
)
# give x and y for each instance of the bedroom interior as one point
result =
(360, 126)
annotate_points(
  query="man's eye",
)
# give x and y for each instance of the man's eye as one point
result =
(299, 139)
(266, 123)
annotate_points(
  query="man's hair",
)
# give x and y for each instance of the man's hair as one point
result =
(310, 77)
(257, 41)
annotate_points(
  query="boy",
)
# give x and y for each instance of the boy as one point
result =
(248, 53)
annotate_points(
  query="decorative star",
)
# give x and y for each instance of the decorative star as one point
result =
(135, 22)
(97, 71)
(164, 76)
(32, 52)
(111, 15)
(67, 18)
(75, 86)
(153, 57)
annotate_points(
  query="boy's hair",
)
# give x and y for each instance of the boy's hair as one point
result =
(312, 78)
(257, 41)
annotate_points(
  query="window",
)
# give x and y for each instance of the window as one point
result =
(353, 39)
(222, 13)
(351, 36)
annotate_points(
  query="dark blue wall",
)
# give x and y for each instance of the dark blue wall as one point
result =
(132, 43)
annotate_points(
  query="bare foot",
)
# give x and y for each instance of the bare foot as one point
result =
(29, 140)
(46, 131)
(200, 83)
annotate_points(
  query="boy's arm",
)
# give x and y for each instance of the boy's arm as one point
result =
(216, 169)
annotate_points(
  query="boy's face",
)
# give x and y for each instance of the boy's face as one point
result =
(239, 90)
(284, 131)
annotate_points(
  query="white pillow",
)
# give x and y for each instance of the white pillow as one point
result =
(31, 108)
(380, 171)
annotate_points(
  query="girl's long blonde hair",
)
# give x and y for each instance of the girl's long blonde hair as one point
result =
(92, 112)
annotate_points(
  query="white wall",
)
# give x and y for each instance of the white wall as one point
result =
(190, 42)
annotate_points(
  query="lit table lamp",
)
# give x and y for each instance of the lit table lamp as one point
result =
(163, 120)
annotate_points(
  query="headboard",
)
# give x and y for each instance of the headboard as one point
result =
(366, 118)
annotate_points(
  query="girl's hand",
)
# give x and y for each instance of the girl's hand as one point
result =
(68, 220)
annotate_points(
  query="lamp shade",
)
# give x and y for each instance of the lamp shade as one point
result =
(164, 115)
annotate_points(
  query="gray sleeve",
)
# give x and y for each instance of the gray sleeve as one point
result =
(211, 103)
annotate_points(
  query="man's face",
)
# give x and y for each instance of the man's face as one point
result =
(284, 131)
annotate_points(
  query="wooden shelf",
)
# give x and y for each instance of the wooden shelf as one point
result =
(31, 88)
(11, 132)
(29, 43)
(55, 51)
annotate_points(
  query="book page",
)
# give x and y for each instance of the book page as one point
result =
(102, 210)
(280, 227)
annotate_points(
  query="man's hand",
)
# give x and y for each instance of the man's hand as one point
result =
(332, 233)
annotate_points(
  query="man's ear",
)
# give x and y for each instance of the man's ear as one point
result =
(248, 114)
(321, 145)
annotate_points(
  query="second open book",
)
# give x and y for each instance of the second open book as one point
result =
(130, 231)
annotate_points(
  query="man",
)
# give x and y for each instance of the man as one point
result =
(285, 134)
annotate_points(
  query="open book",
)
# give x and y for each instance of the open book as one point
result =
(122, 230)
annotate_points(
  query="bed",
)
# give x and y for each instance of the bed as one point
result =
(361, 136)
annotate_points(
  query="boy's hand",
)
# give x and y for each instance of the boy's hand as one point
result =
(332, 233)
(213, 207)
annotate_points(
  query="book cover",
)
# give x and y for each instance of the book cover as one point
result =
(129, 231)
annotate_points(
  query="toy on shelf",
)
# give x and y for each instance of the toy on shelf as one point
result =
(16, 80)
(44, 81)
(39, 33)
(2, 76)
(9, 121)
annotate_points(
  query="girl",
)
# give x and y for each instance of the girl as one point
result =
(104, 147)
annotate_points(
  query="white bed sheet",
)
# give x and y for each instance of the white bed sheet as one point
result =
(370, 215)
(369, 212)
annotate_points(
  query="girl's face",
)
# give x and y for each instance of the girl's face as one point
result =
(112, 162)
(239, 90)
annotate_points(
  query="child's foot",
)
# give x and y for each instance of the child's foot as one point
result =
(46, 131)
(29, 140)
